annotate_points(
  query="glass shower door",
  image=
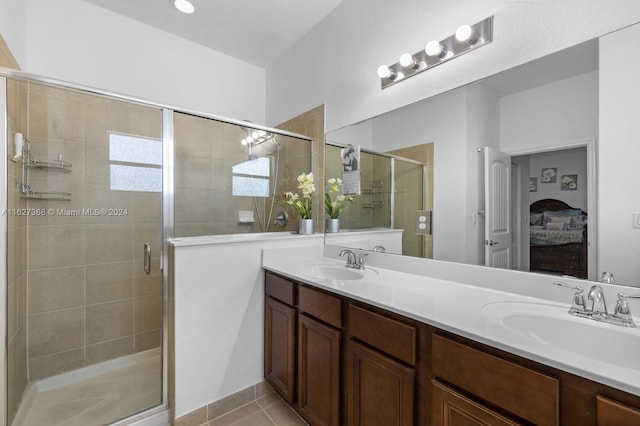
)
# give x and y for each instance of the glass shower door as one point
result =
(85, 285)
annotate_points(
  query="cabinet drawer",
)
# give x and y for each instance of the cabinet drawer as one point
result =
(453, 408)
(388, 335)
(611, 413)
(320, 305)
(526, 393)
(280, 288)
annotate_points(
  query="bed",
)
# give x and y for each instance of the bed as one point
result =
(558, 238)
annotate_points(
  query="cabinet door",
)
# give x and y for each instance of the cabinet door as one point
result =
(614, 413)
(453, 409)
(280, 347)
(318, 372)
(380, 391)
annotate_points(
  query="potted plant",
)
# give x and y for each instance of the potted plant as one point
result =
(303, 203)
(335, 206)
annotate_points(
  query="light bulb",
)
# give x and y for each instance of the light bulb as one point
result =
(384, 71)
(254, 134)
(243, 141)
(407, 60)
(463, 32)
(184, 6)
(262, 133)
(249, 139)
(434, 48)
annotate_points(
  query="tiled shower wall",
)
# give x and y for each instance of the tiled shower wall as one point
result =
(88, 297)
(16, 256)
(205, 152)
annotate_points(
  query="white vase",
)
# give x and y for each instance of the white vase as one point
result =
(306, 227)
(332, 225)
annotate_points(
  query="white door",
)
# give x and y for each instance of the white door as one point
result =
(497, 191)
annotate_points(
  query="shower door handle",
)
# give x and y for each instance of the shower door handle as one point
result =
(147, 258)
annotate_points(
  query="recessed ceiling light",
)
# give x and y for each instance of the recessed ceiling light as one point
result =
(184, 6)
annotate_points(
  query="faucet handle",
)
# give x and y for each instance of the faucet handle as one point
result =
(622, 310)
(578, 305)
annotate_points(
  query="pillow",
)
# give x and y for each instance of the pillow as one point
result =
(535, 219)
(553, 218)
(557, 226)
(578, 222)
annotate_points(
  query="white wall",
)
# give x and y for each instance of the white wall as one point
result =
(13, 27)
(219, 318)
(545, 117)
(619, 154)
(336, 62)
(76, 41)
(568, 162)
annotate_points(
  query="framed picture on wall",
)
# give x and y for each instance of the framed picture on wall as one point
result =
(533, 184)
(569, 183)
(549, 175)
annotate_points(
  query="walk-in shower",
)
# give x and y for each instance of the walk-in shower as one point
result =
(95, 189)
(393, 187)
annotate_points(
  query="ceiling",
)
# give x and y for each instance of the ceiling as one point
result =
(254, 31)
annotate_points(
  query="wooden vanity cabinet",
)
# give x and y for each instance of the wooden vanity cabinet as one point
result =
(340, 361)
(303, 348)
(319, 349)
(381, 369)
(280, 336)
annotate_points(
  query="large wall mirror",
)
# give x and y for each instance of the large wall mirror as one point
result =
(544, 116)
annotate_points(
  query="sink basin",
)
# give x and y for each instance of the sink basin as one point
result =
(335, 273)
(340, 273)
(554, 326)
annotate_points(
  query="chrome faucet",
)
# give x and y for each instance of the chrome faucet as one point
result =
(598, 310)
(607, 278)
(353, 261)
(598, 306)
(622, 311)
(351, 257)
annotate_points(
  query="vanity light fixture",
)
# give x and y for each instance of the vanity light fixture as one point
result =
(465, 39)
(435, 48)
(184, 6)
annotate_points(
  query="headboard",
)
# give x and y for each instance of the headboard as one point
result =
(549, 204)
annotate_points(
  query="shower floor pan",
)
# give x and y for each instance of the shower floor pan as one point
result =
(95, 395)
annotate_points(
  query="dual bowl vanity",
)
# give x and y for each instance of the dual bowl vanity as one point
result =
(408, 341)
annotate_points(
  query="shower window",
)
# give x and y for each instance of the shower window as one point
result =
(136, 163)
(251, 178)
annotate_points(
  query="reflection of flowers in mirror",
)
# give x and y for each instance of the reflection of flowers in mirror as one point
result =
(335, 207)
(302, 204)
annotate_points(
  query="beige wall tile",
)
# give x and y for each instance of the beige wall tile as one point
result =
(109, 243)
(55, 364)
(55, 289)
(108, 321)
(231, 402)
(148, 314)
(102, 197)
(56, 117)
(109, 350)
(56, 246)
(54, 332)
(109, 282)
(145, 341)
(195, 418)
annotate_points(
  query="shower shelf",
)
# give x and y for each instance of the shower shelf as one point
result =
(29, 161)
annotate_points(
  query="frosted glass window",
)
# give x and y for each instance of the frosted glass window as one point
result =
(258, 167)
(136, 163)
(134, 178)
(134, 149)
(245, 186)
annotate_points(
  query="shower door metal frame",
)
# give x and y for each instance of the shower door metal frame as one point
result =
(3, 247)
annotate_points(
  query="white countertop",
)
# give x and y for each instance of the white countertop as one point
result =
(469, 311)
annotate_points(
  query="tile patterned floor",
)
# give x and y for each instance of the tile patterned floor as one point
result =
(269, 410)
